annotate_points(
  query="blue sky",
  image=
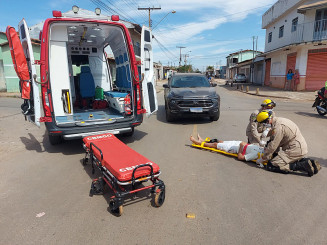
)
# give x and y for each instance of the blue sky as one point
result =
(209, 30)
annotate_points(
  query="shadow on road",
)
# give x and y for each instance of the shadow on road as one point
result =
(310, 114)
(69, 147)
(108, 193)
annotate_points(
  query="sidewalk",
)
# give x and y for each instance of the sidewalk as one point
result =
(265, 91)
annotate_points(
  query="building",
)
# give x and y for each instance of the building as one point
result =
(158, 70)
(9, 81)
(240, 62)
(220, 72)
(296, 39)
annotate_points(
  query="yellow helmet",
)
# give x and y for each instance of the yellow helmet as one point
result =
(263, 116)
(268, 102)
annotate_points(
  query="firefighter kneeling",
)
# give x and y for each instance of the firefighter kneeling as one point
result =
(287, 148)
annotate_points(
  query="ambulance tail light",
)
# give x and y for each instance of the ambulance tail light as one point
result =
(56, 13)
(46, 105)
(127, 105)
(115, 17)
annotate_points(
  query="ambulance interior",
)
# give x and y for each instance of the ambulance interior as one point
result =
(86, 87)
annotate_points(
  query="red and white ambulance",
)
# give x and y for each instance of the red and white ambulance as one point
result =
(80, 92)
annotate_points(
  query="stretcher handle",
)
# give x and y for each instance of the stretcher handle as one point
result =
(141, 166)
(92, 144)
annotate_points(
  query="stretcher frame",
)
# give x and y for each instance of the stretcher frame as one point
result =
(120, 188)
(220, 151)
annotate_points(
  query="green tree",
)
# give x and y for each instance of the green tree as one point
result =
(209, 68)
(185, 69)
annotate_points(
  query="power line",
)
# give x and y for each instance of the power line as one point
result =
(149, 9)
(190, 24)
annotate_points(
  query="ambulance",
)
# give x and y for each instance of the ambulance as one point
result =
(90, 80)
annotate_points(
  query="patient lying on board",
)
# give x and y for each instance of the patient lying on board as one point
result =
(244, 151)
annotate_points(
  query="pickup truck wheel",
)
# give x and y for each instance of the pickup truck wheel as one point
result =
(215, 117)
(55, 139)
(169, 116)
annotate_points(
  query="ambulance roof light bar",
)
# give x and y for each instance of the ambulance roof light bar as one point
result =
(56, 13)
(115, 17)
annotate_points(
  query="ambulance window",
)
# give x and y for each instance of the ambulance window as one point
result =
(146, 36)
(22, 31)
(78, 61)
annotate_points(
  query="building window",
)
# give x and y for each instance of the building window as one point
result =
(269, 37)
(281, 31)
(294, 24)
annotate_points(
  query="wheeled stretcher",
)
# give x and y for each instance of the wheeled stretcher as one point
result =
(219, 151)
(123, 170)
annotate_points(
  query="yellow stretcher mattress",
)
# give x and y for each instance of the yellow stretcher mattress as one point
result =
(220, 151)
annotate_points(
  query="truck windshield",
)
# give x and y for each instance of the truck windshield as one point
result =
(189, 81)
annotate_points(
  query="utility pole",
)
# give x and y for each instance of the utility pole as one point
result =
(180, 54)
(149, 9)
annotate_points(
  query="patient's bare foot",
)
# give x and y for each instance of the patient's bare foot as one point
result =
(200, 139)
(197, 142)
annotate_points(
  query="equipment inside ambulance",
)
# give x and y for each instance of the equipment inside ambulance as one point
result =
(89, 81)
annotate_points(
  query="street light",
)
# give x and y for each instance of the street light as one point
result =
(172, 12)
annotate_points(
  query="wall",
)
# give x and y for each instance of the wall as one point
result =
(274, 29)
(278, 9)
(279, 61)
(11, 79)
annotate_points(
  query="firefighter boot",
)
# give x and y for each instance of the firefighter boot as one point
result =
(273, 168)
(316, 166)
(303, 165)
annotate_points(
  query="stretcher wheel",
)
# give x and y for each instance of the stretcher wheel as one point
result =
(85, 161)
(118, 211)
(159, 198)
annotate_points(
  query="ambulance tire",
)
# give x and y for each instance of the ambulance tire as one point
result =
(55, 139)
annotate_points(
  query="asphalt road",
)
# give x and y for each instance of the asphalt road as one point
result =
(44, 189)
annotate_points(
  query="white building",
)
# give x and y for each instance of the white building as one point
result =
(296, 38)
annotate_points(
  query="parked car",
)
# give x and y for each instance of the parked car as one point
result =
(239, 78)
(191, 94)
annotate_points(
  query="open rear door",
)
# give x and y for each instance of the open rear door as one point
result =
(148, 85)
(28, 51)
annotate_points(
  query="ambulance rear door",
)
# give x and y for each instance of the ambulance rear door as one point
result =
(148, 85)
(28, 51)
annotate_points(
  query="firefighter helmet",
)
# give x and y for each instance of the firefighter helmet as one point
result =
(264, 116)
(268, 103)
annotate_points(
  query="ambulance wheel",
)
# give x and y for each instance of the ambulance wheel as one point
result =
(118, 211)
(55, 139)
(159, 198)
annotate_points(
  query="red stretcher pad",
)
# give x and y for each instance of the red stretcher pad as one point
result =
(118, 158)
